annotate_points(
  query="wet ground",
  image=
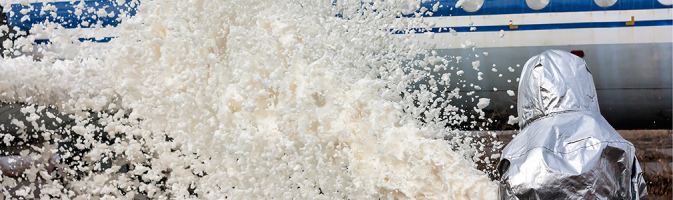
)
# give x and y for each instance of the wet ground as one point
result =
(654, 150)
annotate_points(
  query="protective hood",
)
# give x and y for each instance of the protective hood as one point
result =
(554, 82)
(566, 149)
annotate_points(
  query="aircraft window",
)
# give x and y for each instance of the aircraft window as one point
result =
(605, 3)
(666, 2)
(537, 4)
(472, 5)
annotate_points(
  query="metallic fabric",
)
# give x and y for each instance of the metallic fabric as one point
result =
(566, 149)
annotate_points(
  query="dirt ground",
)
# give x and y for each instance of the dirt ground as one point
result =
(654, 150)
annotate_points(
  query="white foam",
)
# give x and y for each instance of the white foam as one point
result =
(512, 120)
(483, 102)
(263, 99)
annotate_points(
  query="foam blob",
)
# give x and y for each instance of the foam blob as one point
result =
(483, 102)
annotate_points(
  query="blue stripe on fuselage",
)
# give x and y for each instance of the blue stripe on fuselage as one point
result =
(498, 7)
(67, 18)
(65, 14)
(104, 40)
(527, 27)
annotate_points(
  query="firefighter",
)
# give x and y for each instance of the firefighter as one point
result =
(566, 149)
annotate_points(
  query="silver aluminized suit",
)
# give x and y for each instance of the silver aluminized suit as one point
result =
(566, 149)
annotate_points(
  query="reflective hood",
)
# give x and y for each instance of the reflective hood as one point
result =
(554, 82)
(566, 149)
